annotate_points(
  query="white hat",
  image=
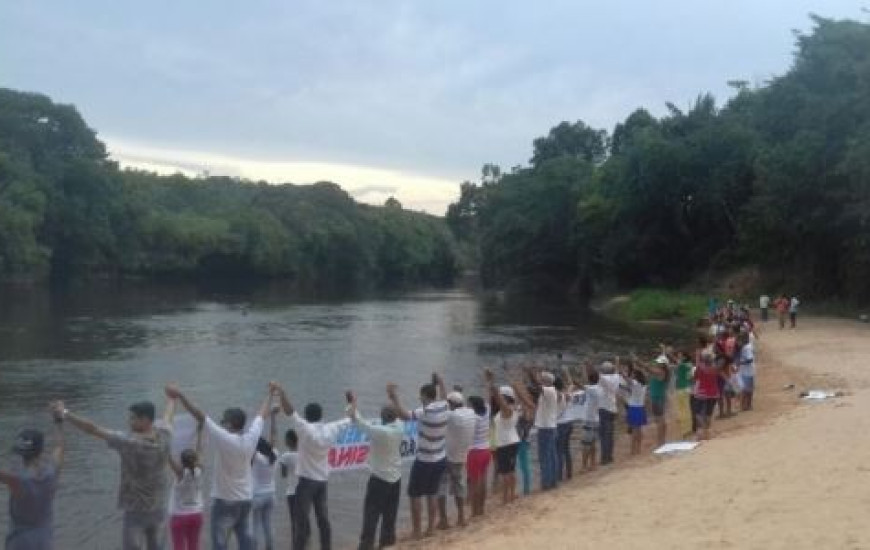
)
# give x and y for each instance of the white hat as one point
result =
(507, 391)
(547, 377)
(607, 367)
(662, 359)
(456, 397)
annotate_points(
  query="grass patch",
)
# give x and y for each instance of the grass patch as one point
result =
(649, 304)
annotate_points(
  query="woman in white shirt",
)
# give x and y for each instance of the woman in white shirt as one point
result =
(507, 439)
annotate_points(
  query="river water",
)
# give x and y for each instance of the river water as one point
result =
(101, 348)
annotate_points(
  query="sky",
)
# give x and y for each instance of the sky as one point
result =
(384, 97)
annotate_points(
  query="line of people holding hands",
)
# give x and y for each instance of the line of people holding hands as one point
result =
(458, 438)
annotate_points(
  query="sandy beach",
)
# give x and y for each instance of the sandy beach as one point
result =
(790, 474)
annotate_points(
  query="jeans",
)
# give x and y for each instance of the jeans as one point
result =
(525, 466)
(311, 493)
(764, 314)
(227, 516)
(291, 507)
(564, 465)
(547, 457)
(381, 503)
(185, 529)
(262, 513)
(606, 420)
(144, 530)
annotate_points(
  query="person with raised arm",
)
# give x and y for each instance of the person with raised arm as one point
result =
(431, 459)
(232, 489)
(546, 412)
(659, 375)
(507, 439)
(384, 488)
(186, 500)
(32, 487)
(609, 381)
(144, 485)
(315, 438)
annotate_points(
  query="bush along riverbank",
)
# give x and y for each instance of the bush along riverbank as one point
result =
(651, 304)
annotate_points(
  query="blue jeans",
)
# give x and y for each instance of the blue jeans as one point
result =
(262, 513)
(564, 464)
(547, 457)
(231, 516)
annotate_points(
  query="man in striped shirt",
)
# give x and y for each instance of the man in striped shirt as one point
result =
(431, 458)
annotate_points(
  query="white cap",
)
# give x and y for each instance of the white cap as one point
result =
(456, 397)
(662, 360)
(607, 368)
(547, 377)
(507, 391)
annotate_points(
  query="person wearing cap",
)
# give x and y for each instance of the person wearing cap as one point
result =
(431, 459)
(659, 375)
(506, 438)
(143, 492)
(32, 488)
(233, 446)
(384, 488)
(546, 413)
(461, 423)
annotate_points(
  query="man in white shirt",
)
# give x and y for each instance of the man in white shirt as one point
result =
(431, 459)
(764, 306)
(312, 468)
(232, 482)
(609, 382)
(545, 420)
(460, 436)
(384, 489)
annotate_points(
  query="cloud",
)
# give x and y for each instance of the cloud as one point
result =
(367, 184)
(375, 189)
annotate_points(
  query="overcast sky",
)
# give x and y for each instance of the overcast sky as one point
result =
(384, 97)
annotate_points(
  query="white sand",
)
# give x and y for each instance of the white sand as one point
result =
(791, 474)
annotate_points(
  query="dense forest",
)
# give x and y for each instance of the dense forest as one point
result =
(66, 211)
(778, 178)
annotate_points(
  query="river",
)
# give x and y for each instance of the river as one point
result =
(103, 347)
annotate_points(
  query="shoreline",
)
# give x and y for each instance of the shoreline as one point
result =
(650, 501)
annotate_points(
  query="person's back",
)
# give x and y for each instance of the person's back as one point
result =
(315, 440)
(764, 301)
(232, 479)
(31, 506)
(460, 433)
(548, 408)
(144, 458)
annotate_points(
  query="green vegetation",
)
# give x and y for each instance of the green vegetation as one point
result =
(66, 211)
(658, 304)
(778, 178)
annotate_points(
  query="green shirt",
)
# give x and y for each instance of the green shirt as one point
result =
(684, 381)
(658, 389)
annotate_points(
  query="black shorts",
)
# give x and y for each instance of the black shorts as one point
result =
(506, 459)
(426, 478)
(705, 406)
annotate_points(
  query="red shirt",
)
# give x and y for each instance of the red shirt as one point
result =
(706, 382)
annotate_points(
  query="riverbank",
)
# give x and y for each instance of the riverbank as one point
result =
(652, 305)
(790, 474)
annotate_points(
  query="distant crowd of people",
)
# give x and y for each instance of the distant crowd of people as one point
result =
(460, 439)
